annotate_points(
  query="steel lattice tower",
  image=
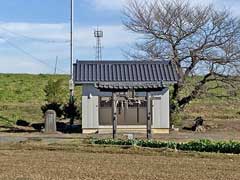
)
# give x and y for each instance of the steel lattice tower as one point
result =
(98, 34)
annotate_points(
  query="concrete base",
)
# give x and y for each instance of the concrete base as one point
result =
(160, 131)
(89, 131)
(121, 130)
(124, 129)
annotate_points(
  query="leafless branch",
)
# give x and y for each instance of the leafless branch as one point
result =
(197, 39)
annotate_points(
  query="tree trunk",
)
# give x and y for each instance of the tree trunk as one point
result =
(184, 101)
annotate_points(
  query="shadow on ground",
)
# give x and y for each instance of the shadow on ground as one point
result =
(23, 126)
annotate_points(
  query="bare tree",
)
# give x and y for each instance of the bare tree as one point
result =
(197, 39)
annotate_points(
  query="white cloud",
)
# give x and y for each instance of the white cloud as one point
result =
(2, 41)
(233, 5)
(56, 32)
(109, 4)
(21, 65)
(36, 39)
(113, 34)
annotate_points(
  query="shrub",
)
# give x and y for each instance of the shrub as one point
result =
(203, 145)
(57, 107)
(175, 119)
(54, 93)
(70, 110)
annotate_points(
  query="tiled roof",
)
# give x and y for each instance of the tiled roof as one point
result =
(154, 72)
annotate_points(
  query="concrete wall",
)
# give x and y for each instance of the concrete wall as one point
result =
(161, 110)
(90, 111)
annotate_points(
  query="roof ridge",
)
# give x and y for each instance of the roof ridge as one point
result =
(124, 62)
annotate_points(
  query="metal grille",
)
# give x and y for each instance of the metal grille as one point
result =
(133, 114)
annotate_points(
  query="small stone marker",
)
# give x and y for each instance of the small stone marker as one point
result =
(129, 136)
(50, 122)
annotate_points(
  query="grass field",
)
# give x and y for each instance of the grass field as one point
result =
(21, 97)
(73, 159)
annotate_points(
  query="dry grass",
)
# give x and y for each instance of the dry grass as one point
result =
(75, 160)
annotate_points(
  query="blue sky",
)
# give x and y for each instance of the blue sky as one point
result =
(34, 32)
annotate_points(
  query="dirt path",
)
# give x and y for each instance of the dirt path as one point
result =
(173, 136)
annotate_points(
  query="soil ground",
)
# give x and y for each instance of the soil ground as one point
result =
(70, 159)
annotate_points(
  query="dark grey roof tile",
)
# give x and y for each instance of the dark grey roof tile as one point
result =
(124, 71)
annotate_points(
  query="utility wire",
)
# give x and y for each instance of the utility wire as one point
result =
(31, 38)
(30, 55)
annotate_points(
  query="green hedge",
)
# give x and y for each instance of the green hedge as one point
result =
(203, 145)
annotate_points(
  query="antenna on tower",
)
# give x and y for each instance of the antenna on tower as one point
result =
(98, 34)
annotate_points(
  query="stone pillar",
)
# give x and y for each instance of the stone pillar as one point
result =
(50, 122)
